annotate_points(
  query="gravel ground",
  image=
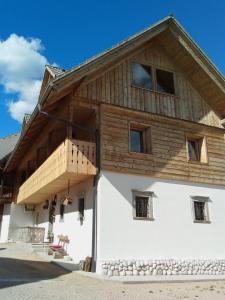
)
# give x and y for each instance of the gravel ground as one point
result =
(23, 276)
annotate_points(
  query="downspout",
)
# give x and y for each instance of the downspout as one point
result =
(95, 194)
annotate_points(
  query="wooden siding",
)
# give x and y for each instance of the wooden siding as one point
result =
(169, 154)
(114, 86)
(72, 162)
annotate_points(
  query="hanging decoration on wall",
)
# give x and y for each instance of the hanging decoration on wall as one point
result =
(67, 200)
(81, 207)
(54, 201)
(46, 204)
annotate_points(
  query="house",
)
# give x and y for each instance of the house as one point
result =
(125, 154)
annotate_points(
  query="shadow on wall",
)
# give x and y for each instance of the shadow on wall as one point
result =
(145, 185)
(16, 271)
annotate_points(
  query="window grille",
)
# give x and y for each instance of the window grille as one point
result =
(142, 205)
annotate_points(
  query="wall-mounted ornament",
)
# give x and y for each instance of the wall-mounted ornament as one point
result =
(46, 204)
(67, 199)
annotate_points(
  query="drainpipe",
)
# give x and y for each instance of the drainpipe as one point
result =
(95, 193)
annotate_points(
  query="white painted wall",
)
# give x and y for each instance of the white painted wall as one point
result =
(13, 218)
(80, 235)
(172, 234)
(19, 218)
(5, 223)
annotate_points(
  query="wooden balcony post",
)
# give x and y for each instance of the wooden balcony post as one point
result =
(70, 119)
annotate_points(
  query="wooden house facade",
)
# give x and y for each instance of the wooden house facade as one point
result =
(125, 155)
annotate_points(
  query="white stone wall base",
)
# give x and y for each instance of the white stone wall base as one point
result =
(163, 267)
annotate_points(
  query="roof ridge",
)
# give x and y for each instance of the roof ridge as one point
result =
(55, 67)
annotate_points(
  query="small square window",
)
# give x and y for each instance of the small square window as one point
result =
(140, 138)
(196, 149)
(165, 81)
(142, 76)
(142, 205)
(200, 208)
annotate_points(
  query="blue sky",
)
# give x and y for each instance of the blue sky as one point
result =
(68, 32)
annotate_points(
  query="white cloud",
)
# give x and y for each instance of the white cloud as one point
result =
(21, 69)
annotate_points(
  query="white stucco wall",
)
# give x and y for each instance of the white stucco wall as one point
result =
(5, 223)
(14, 217)
(172, 235)
(19, 218)
(80, 235)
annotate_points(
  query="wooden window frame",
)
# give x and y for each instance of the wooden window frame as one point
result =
(152, 75)
(206, 201)
(203, 151)
(147, 146)
(174, 85)
(154, 80)
(149, 195)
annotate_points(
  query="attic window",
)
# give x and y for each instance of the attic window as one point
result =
(165, 82)
(142, 76)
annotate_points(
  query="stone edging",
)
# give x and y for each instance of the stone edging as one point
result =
(163, 267)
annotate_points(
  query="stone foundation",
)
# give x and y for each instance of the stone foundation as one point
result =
(163, 267)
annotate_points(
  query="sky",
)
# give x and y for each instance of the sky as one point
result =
(65, 33)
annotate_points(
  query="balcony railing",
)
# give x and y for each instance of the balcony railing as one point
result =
(72, 162)
(6, 193)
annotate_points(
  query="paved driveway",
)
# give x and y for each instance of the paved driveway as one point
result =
(25, 276)
(19, 264)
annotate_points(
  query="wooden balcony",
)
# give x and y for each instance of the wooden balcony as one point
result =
(72, 161)
(6, 193)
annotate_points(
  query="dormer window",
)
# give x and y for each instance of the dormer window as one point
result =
(142, 76)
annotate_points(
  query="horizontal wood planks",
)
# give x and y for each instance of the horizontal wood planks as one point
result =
(114, 86)
(169, 155)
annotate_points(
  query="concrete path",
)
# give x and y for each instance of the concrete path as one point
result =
(19, 264)
(26, 276)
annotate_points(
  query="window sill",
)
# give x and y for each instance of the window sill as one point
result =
(202, 222)
(138, 154)
(153, 91)
(143, 219)
(196, 162)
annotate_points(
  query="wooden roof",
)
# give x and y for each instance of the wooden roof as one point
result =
(176, 42)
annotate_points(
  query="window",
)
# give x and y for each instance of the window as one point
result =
(142, 76)
(196, 149)
(164, 81)
(200, 208)
(136, 141)
(147, 77)
(140, 138)
(142, 205)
